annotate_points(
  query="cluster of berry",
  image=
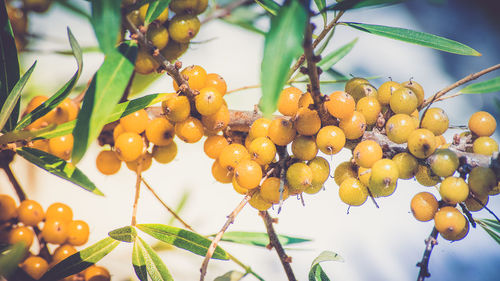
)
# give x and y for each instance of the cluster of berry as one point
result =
(18, 225)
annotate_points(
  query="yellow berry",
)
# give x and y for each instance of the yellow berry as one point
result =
(61, 146)
(160, 131)
(384, 177)
(258, 202)
(353, 192)
(158, 35)
(288, 103)
(425, 177)
(403, 100)
(281, 131)
(232, 155)
(165, 154)
(189, 130)
(217, 121)
(417, 89)
(436, 121)
(330, 139)
(248, 174)
(208, 101)
(161, 18)
(481, 180)
(176, 108)
(370, 108)
(421, 143)
(385, 91)
(262, 150)
(366, 153)
(485, 146)
(399, 127)
(344, 171)
(146, 160)
(443, 162)
(260, 127)
(216, 81)
(449, 221)
(304, 148)
(321, 171)
(354, 126)
(270, 190)
(299, 177)
(183, 28)
(307, 121)
(482, 124)
(423, 206)
(407, 165)
(454, 190)
(145, 63)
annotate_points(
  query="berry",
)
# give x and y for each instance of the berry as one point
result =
(330, 139)
(421, 143)
(403, 100)
(129, 146)
(97, 273)
(183, 28)
(248, 174)
(482, 124)
(449, 221)
(158, 35)
(363, 90)
(366, 153)
(78, 233)
(354, 126)
(59, 211)
(476, 203)
(459, 236)
(424, 206)
(454, 190)
(232, 155)
(213, 146)
(165, 154)
(176, 108)
(258, 202)
(188, 6)
(481, 180)
(417, 89)
(160, 131)
(340, 104)
(145, 63)
(196, 77)
(270, 190)
(260, 128)
(288, 103)
(163, 17)
(436, 121)
(353, 192)
(354, 82)
(135, 122)
(425, 177)
(189, 130)
(485, 146)
(7, 208)
(146, 160)
(208, 101)
(281, 131)
(118, 130)
(299, 177)
(61, 146)
(174, 50)
(399, 127)
(370, 108)
(344, 171)
(407, 165)
(307, 121)
(262, 150)
(66, 111)
(217, 121)
(383, 178)
(238, 188)
(35, 267)
(220, 173)
(42, 145)
(216, 81)
(364, 175)
(304, 148)
(444, 162)
(321, 171)
(21, 234)
(306, 100)
(385, 91)
(30, 212)
(107, 162)
(55, 231)
(62, 252)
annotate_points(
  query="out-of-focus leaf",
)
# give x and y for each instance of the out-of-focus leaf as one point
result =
(321, 4)
(81, 260)
(491, 227)
(58, 167)
(489, 86)
(259, 238)
(182, 238)
(180, 206)
(106, 21)
(282, 44)
(332, 58)
(493, 224)
(61, 94)
(9, 65)
(103, 94)
(355, 4)
(154, 265)
(244, 17)
(416, 37)
(73, 7)
(124, 234)
(138, 261)
(269, 5)
(316, 273)
(232, 275)
(14, 96)
(155, 9)
(10, 257)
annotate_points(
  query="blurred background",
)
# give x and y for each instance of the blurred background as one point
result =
(376, 244)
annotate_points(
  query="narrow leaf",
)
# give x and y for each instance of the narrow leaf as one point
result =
(489, 86)
(355, 4)
(321, 4)
(259, 238)
(58, 167)
(332, 58)
(282, 44)
(245, 17)
(138, 261)
(73, 7)
(316, 273)
(103, 94)
(493, 233)
(493, 224)
(106, 21)
(81, 260)
(269, 5)
(184, 239)
(10, 257)
(416, 37)
(155, 9)
(61, 94)
(14, 96)
(232, 275)
(9, 65)
(154, 265)
(327, 256)
(124, 234)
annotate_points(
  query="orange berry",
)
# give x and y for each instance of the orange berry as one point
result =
(281, 131)
(306, 100)
(423, 206)
(454, 190)
(260, 128)
(62, 252)
(55, 231)
(59, 211)
(270, 190)
(340, 104)
(107, 162)
(307, 122)
(135, 122)
(248, 174)
(383, 178)
(232, 155)
(7, 207)
(78, 233)
(354, 126)
(208, 101)
(449, 221)
(218, 121)
(189, 130)
(221, 174)
(370, 108)
(66, 111)
(176, 108)
(366, 153)
(262, 150)
(129, 146)
(146, 162)
(196, 77)
(399, 127)
(97, 273)
(213, 146)
(22, 234)
(165, 154)
(160, 131)
(330, 139)
(61, 146)
(482, 124)
(288, 103)
(35, 267)
(118, 130)
(30, 212)
(216, 81)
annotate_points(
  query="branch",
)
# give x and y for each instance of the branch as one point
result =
(137, 191)
(312, 69)
(275, 243)
(424, 263)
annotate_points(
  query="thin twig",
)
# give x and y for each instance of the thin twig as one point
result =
(448, 97)
(243, 88)
(137, 191)
(275, 243)
(486, 208)
(12, 178)
(430, 242)
(218, 237)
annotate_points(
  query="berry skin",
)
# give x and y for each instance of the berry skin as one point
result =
(30, 212)
(444, 162)
(330, 139)
(158, 35)
(304, 148)
(55, 231)
(482, 124)
(221, 174)
(385, 91)
(299, 177)
(354, 82)
(403, 100)
(425, 177)
(449, 221)
(417, 89)
(262, 150)
(288, 103)
(354, 126)
(459, 236)
(306, 100)
(217, 121)
(59, 211)
(307, 122)
(97, 273)
(163, 17)
(146, 162)
(421, 143)
(213, 145)
(118, 130)
(174, 50)
(364, 175)
(366, 153)
(78, 233)
(216, 81)
(436, 121)
(340, 104)
(176, 108)
(407, 165)
(129, 146)
(183, 28)
(188, 6)
(66, 111)
(344, 171)
(399, 127)
(281, 131)
(363, 90)
(232, 155)
(7, 207)
(260, 128)
(208, 101)
(160, 131)
(196, 77)
(145, 63)
(481, 180)
(353, 192)
(370, 108)
(472, 203)
(321, 171)
(424, 206)
(107, 162)
(61, 146)
(270, 190)
(258, 202)
(22, 234)
(189, 130)
(62, 252)
(383, 178)
(35, 267)
(135, 122)
(485, 146)
(248, 174)
(454, 190)
(238, 188)
(165, 154)
(42, 145)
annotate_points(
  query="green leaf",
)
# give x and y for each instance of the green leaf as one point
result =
(232, 275)
(321, 4)
(316, 273)
(493, 224)
(491, 227)
(9, 65)
(58, 167)
(124, 234)
(103, 94)
(416, 37)
(106, 21)
(269, 5)
(138, 261)
(81, 260)
(332, 58)
(489, 86)
(182, 238)
(245, 17)
(282, 44)
(355, 4)
(154, 265)
(155, 9)
(10, 257)
(14, 96)
(259, 238)
(73, 7)
(61, 94)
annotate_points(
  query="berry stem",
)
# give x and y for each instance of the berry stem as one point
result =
(430, 242)
(137, 192)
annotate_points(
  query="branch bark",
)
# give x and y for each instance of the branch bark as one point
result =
(430, 242)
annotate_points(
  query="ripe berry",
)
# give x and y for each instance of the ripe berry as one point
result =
(364, 175)
(485, 146)
(217, 121)
(160, 131)
(353, 192)
(62, 252)
(354, 126)
(216, 81)
(425, 177)
(288, 103)
(304, 148)
(146, 160)
(307, 122)
(55, 231)
(30, 212)
(340, 104)
(270, 190)
(176, 108)
(424, 206)
(444, 162)
(299, 177)
(165, 154)
(258, 202)
(306, 100)
(21, 234)
(399, 127)
(35, 267)
(196, 77)
(383, 178)
(158, 35)
(330, 139)
(174, 50)
(449, 221)
(366, 153)
(403, 100)
(118, 130)
(481, 180)
(262, 150)
(66, 111)
(61, 146)
(363, 90)
(189, 130)
(7, 208)
(135, 122)
(417, 89)
(208, 101)
(459, 236)
(213, 145)
(436, 121)
(220, 173)
(370, 108)
(145, 63)
(238, 188)
(482, 124)
(97, 273)
(385, 91)
(129, 146)
(42, 145)
(163, 17)
(321, 171)
(107, 162)
(183, 28)
(78, 232)
(248, 174)
(472, 203)
(354, 82)
(421, 143)
(232, 155)
(281, 131)
(59, 211)
(188, 6)
(260, 128)
(344, 171)
(454, 190)
(407, 165)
